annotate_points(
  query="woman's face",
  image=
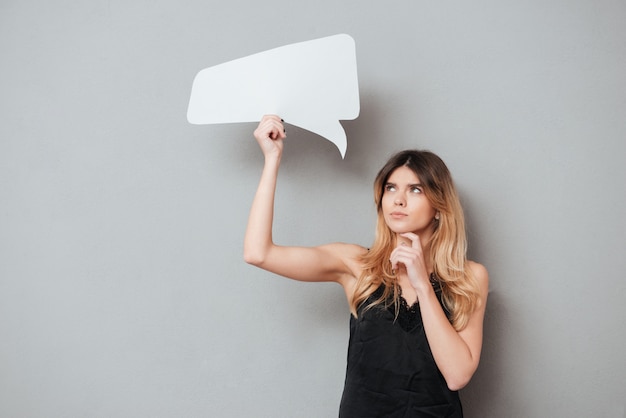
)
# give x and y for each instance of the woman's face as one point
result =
(405, 206)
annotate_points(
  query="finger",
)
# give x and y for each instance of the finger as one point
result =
(264, 129)
(270, 117)
(278, 133)
(401, 257)
(273, 129)
(402, 262)
(393, 260)
(273, 133)
(414, 238)
(402, 251)
(404, 248)
(407, 256)
(278, 130)
(282, 131)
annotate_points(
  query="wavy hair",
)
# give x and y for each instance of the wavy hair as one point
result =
(447, 247)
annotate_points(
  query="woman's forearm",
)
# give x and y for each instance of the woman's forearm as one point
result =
(451, 352)
(258, 238)
(457, 353)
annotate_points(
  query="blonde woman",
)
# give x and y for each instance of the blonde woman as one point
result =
(417, 303)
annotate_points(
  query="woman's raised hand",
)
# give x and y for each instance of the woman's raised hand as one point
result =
(270, 134)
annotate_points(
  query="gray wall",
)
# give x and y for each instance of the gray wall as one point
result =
(122, 287)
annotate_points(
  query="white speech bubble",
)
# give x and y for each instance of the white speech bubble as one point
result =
(310, 84)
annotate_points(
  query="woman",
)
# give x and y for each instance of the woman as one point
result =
(417, 304)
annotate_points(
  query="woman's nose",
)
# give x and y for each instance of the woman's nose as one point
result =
(399, 201)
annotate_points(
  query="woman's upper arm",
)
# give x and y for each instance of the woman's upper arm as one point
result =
(324, 263)
(472, 334)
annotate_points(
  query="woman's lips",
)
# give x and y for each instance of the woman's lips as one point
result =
(398, 215)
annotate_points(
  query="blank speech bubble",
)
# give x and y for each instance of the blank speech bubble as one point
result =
(310, 84)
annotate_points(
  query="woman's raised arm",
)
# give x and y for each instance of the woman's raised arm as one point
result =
(258, 240)
(331, 262)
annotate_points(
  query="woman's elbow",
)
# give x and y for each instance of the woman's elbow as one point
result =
(457, 384)
(253, 258)
(458, 381)
(255, 255)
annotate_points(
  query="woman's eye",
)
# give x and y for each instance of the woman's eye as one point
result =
(390, 188)
(416, 189)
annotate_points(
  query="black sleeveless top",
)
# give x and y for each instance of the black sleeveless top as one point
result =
(391, 371)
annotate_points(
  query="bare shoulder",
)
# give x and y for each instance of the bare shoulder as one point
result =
(482, 278)
(481, 274)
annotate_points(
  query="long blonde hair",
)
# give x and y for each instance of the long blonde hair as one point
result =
(447, 247)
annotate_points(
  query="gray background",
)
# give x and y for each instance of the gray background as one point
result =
(122, 287)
